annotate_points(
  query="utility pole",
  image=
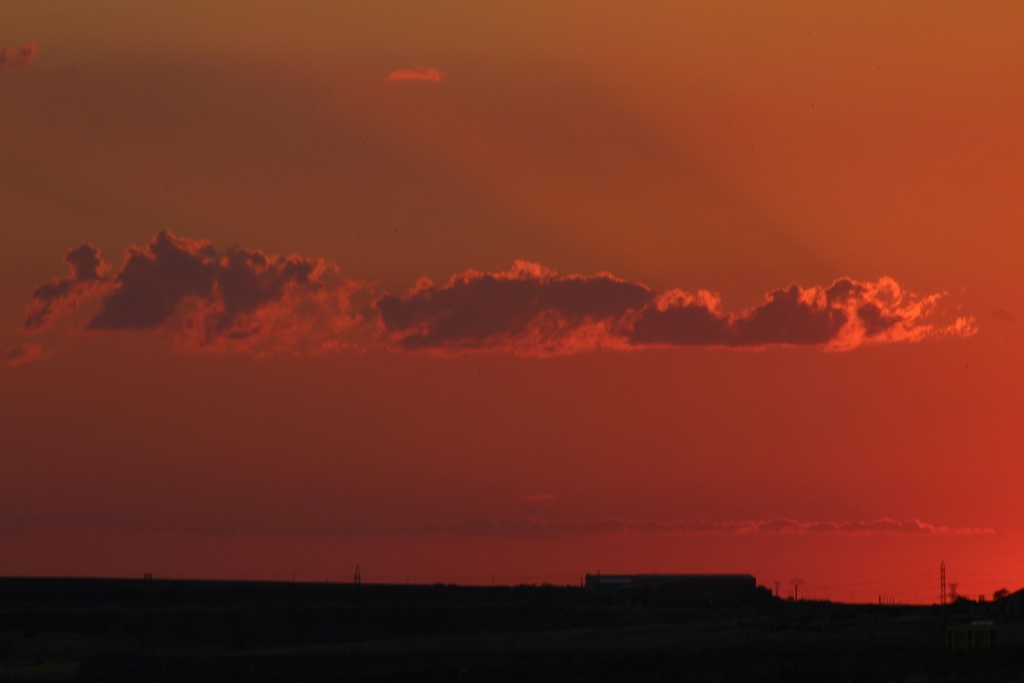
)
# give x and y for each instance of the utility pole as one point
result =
(942, 582)
(796, 583)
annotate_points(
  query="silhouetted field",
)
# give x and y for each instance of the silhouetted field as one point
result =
(154, 630)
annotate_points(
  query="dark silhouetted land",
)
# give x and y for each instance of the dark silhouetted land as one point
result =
(157, 630)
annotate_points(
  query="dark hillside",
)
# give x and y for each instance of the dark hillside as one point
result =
(154, 630)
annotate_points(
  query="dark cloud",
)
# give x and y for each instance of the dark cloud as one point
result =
(787, 317)
(842, 316)
(533, 311)
(207, 299)
(680, 318)
(527, 310)
(234, 299)
(239, 299)
(155, 281)
(18, 56)
(60, 295)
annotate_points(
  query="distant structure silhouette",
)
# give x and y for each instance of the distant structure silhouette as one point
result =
(358, 577)
(942, 582)
(796, 583)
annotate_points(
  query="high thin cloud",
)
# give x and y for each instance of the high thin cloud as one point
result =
(235, 299)
(420, 73)
(18, 56)
(780, 526)
(239, 299)
(530, 310)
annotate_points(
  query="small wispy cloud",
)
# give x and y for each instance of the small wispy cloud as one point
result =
(20, 354)
(420, 73)
(18, 56)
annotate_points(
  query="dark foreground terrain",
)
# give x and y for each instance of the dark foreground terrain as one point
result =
(153, 630)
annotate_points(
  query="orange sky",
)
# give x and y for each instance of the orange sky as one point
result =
(453, 291)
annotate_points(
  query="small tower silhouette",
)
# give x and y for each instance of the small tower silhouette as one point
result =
(942, 582)
(358, 578)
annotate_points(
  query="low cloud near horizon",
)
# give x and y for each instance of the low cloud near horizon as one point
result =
(777, 526)
(244, 300)
(521, 527)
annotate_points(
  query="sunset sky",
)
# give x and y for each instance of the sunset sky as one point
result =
(514, 291)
